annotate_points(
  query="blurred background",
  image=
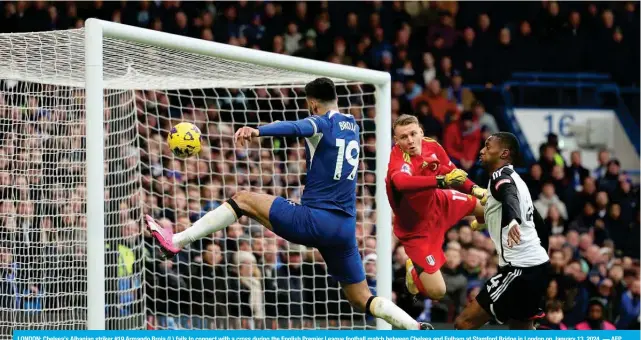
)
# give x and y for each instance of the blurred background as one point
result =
(562, 76)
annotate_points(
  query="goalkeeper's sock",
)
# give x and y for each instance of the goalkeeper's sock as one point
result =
(418, 283)
(213, 221)
(385, 309)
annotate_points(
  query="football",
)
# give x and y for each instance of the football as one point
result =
(184, 140)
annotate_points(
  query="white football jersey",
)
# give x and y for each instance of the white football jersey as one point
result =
(509, 199)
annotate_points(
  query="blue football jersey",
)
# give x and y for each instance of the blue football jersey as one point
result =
(332, 156)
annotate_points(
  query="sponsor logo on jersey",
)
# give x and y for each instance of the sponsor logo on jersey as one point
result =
(501, 182)
(430, 260)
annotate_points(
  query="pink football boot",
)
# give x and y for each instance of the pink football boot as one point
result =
(163, 236)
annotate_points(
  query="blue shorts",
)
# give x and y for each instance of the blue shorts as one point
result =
(333, 233)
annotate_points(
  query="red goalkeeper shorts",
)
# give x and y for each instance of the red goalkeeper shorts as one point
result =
(426, 250)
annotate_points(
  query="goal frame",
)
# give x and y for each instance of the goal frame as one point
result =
(97, 30)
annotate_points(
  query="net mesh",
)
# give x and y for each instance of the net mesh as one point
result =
(57, 57)
(243, 277)
(43, 215)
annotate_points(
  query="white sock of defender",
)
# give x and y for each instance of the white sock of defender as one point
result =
(212, 222)
(385, 309)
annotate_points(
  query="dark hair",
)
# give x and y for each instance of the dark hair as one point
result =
(322, 89)
(595, 301)
(614, 161)
(510, 142)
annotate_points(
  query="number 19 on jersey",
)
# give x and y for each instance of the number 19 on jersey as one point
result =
(345, 153)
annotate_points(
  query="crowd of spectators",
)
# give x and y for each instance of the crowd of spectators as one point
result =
(246, 277)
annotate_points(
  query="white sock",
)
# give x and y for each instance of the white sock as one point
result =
(212, 222)
(385, 309)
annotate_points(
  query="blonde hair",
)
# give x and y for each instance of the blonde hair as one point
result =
(404, 120)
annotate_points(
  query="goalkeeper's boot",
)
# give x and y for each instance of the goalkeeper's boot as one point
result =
(424, 326)
(409, 278)
(163, 236)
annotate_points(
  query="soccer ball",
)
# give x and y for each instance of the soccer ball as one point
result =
(184, 140)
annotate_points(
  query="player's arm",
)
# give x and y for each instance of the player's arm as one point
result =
(307, 127)
(299, 128)
(504, 190)
(407, 183)
(401, 177)
(400, 174)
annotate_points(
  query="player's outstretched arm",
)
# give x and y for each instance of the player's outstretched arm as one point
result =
(404, 182)
(306, 127)
(401, 176)
(407, 183)
(301, 128)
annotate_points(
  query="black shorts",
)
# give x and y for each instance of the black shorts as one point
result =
(515, 293)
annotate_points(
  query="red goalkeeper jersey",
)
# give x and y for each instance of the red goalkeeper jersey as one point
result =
(421, 211)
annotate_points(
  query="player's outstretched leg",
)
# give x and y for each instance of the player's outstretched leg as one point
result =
(254, 205)
(359, 295)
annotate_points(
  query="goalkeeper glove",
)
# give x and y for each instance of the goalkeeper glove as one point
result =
(476, 226)
(480, 193)
(455, 177)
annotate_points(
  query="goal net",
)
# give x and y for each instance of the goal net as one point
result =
(242, 278)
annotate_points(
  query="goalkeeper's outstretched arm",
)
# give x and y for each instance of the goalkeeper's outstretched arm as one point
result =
(406, 183)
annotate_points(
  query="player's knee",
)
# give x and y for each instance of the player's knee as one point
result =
(436, 292)
(434, 289)
(241, 197)
(240, 202)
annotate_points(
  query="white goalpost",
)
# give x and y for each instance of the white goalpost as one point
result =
(115, 89)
